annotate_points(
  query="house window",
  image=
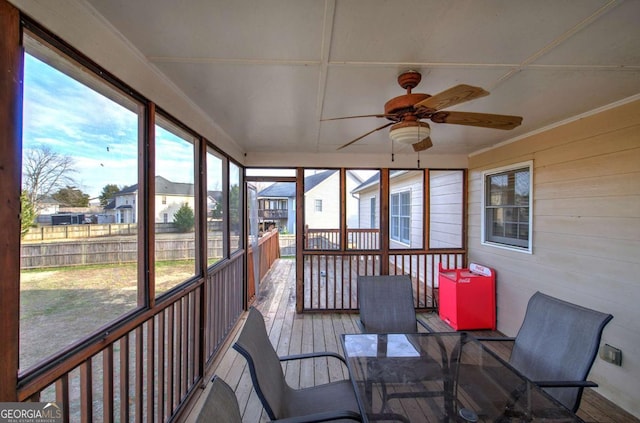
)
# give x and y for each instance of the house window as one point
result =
(318, 205)
(373, 223)
(507, 207)
(165, 218)
(400, 216)
(164, 199)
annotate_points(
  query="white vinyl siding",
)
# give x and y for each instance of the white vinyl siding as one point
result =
(586, 237)
(445, 208)
(368, 208)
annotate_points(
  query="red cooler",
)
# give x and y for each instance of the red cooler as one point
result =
(467, 297)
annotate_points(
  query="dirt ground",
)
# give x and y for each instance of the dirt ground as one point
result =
(61, 306)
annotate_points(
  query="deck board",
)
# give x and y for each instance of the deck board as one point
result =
(293, 333)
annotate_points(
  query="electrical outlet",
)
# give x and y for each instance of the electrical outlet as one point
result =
(611, 354)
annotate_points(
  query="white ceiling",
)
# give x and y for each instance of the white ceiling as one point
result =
(266, 72)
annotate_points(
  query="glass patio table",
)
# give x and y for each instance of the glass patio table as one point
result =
(442, 377)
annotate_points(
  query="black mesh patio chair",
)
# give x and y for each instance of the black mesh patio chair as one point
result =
(557, 345)
(221, 406)
(386, 305)
(326, 402)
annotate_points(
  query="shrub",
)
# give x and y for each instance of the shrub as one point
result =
(184, 218)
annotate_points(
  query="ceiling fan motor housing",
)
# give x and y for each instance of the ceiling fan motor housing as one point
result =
(403, 103)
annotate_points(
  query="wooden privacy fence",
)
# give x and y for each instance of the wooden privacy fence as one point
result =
(58, 232)
(96, 230)
(147, 368)
(115, 250)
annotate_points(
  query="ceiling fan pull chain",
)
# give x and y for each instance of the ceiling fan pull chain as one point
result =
(393, 158)
(419, 138)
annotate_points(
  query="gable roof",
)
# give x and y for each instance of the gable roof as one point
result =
(164, 187)
(215, 195)
(373, 180)
(288, 189)
(279, 190)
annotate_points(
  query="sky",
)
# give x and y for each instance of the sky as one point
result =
(98, 133)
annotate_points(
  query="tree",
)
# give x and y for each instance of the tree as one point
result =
(184, 218)
(27, 213)
(234, 209)
(71, 197)
(44, 172)
(108, 192)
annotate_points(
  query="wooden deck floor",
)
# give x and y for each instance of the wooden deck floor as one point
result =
(293, 333)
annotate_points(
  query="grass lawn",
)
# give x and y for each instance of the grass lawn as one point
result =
(63, 305)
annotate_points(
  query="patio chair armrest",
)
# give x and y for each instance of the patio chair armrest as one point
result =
(426, 326)
(325, 416)
(495, 338)
(313, 355)
(565, 383)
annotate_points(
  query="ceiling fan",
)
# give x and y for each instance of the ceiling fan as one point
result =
(406, 111)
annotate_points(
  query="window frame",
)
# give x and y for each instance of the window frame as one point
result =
(373, 204)
(399, 218)
(317, 205)
(230, 248)
(485, 235)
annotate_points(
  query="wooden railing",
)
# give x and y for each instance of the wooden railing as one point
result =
(363, 239)
(147, 368)
(321, 239)
(329, 279)
(329, 239)
(273, 213)
(269, 246)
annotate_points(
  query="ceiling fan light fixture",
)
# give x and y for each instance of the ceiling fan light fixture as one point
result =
(409, 132)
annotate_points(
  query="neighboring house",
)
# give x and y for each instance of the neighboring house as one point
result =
(277, 206)
(213, 199)
(170, 196)
(368, 194)
(321, 200)
(276, 203)
(46, 207)
(407, 207)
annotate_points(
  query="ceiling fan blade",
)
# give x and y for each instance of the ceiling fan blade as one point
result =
(422, 145)
(362, 116)
(485, 120)
(368, 133)
(454, 95)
